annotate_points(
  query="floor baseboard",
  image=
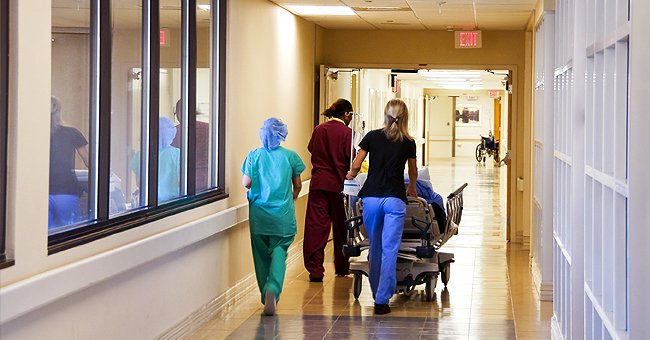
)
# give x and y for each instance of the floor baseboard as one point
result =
(223, 302)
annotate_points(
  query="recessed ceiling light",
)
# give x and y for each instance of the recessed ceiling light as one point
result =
(321, 10)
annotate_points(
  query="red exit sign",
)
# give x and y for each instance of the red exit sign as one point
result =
(468, 39)
(164, 37)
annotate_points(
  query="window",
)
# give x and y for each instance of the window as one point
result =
(4, 79)
(137, 117)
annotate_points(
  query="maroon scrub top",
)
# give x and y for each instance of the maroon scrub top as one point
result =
(330, 155)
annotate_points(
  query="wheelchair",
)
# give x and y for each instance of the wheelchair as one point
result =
(488, 147)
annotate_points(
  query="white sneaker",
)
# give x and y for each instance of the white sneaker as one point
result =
(269, 303)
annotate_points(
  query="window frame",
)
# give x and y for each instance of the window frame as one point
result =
(101, 59)
(4, 119)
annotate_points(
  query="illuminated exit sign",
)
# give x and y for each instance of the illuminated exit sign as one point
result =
(468, 39)
(164, 37)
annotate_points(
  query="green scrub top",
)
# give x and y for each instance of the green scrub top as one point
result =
(271, 210)
(169, 172)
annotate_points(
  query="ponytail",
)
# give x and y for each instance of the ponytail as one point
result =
(338, 109)
(396, 121)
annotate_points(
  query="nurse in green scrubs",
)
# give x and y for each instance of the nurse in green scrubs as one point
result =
(272, 175)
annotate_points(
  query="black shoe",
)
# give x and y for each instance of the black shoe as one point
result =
(382, 308)
(316, 279)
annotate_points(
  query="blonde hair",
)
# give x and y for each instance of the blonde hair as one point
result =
(396, 121)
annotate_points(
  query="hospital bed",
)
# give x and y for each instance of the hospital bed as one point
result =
(419, 260)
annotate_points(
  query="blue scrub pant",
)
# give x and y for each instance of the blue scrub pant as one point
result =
(63, 210)
(383, 218)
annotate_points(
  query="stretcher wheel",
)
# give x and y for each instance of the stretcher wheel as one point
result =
(357, 285)
(445, 271)
(429, 286)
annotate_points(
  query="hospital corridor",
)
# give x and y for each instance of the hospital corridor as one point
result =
(489, 296)
(324, 169)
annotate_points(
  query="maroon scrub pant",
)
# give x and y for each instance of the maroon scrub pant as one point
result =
(324, 209)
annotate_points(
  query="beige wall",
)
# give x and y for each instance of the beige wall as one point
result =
(435, 49)
(269, 73)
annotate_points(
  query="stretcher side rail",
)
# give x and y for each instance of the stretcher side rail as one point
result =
(422, 222)
(454, 215)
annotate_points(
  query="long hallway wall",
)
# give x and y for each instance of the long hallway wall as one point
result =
(435, 49)
(139, 283)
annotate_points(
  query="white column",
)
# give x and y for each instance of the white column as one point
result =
(639, 174)
(577, 173)
(546, 292)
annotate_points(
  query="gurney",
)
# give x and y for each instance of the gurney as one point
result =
(419, 259)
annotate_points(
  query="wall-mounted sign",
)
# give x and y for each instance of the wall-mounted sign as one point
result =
(164, 37)
(468, 39)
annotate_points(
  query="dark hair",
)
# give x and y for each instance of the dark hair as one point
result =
(338, 108)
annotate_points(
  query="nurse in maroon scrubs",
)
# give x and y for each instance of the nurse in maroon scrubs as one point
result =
(330, 158)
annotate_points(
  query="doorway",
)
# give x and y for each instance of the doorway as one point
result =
(449, 109)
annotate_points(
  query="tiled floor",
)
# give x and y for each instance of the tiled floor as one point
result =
(490, 295)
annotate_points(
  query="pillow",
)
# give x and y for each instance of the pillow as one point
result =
(423, 174)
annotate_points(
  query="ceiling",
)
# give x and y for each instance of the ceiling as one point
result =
(495, 15)
(469, 80)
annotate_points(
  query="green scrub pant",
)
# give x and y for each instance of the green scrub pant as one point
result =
(270, 258)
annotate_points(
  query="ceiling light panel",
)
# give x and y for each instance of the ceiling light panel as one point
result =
(377, 3)
(312, 10)
(427, 14)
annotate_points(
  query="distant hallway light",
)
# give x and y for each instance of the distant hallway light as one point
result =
(321, 10)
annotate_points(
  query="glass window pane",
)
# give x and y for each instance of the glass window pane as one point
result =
(203, 94)
(126, 106)
(169, 154)
(69, 202)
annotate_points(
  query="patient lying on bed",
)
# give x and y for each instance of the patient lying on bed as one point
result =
(425, 190)
(423, 187)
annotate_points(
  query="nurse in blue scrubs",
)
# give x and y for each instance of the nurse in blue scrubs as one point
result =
(272, 175)
(384, 196)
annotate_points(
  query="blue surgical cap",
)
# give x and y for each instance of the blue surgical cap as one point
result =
(273, 132)
(166, 132)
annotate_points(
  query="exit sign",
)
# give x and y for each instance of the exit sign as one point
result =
(468, 39)
(164, 37)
